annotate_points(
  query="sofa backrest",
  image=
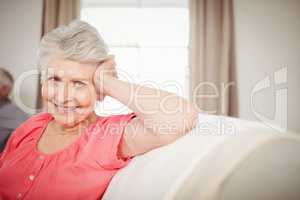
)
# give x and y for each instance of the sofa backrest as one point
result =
(221, 159)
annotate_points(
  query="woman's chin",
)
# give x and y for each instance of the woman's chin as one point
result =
(65, 120)
(69, 119)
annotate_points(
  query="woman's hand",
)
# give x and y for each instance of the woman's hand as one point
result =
(106, 70)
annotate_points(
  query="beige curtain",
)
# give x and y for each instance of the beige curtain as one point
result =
(212, 66)
(59, 12)
(56, 13)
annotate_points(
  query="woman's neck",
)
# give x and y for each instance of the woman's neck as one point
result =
(75, 128)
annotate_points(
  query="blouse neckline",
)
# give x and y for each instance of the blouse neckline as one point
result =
(66, 148)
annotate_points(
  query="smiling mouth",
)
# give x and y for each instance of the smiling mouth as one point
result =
(65, 109)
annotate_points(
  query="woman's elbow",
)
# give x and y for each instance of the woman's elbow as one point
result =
(190, 118)
(183, 126)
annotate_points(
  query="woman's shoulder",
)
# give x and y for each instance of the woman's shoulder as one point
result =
(115, 118)
(112, 124)
(37, 119)
(33, 123)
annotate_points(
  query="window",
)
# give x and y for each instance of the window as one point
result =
(150, 42)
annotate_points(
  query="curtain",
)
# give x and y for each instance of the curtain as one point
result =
(211, 60)
(56, 13)
(59, 12)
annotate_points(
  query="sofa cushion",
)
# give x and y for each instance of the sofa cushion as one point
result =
(198, 164)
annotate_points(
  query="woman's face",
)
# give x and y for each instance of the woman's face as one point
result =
(68, 91)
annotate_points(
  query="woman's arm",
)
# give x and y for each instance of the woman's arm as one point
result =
(162, 117)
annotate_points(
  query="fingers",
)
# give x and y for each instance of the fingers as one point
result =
(109, 66)
(109, 62)
(112, 57)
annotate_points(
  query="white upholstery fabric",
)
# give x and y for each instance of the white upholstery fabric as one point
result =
(223, 158)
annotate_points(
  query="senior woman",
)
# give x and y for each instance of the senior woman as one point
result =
(69, 152)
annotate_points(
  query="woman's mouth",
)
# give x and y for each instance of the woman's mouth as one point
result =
(65, 109)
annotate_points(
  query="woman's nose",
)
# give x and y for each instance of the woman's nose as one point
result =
(64, 94)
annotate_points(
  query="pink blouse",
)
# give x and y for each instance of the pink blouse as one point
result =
(82, 170)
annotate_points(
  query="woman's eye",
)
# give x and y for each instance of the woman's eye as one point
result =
(79, 84)
(55, 79)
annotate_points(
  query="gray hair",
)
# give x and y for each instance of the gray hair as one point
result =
(6, 78)
(78, 41)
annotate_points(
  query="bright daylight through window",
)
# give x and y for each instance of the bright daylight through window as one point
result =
(150, 42)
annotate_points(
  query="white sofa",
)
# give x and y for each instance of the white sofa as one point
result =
(221, 159)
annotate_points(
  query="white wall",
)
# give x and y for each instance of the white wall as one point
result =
(267, 39)
(20, 23)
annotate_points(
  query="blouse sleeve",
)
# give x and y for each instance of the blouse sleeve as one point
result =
(111, 136)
